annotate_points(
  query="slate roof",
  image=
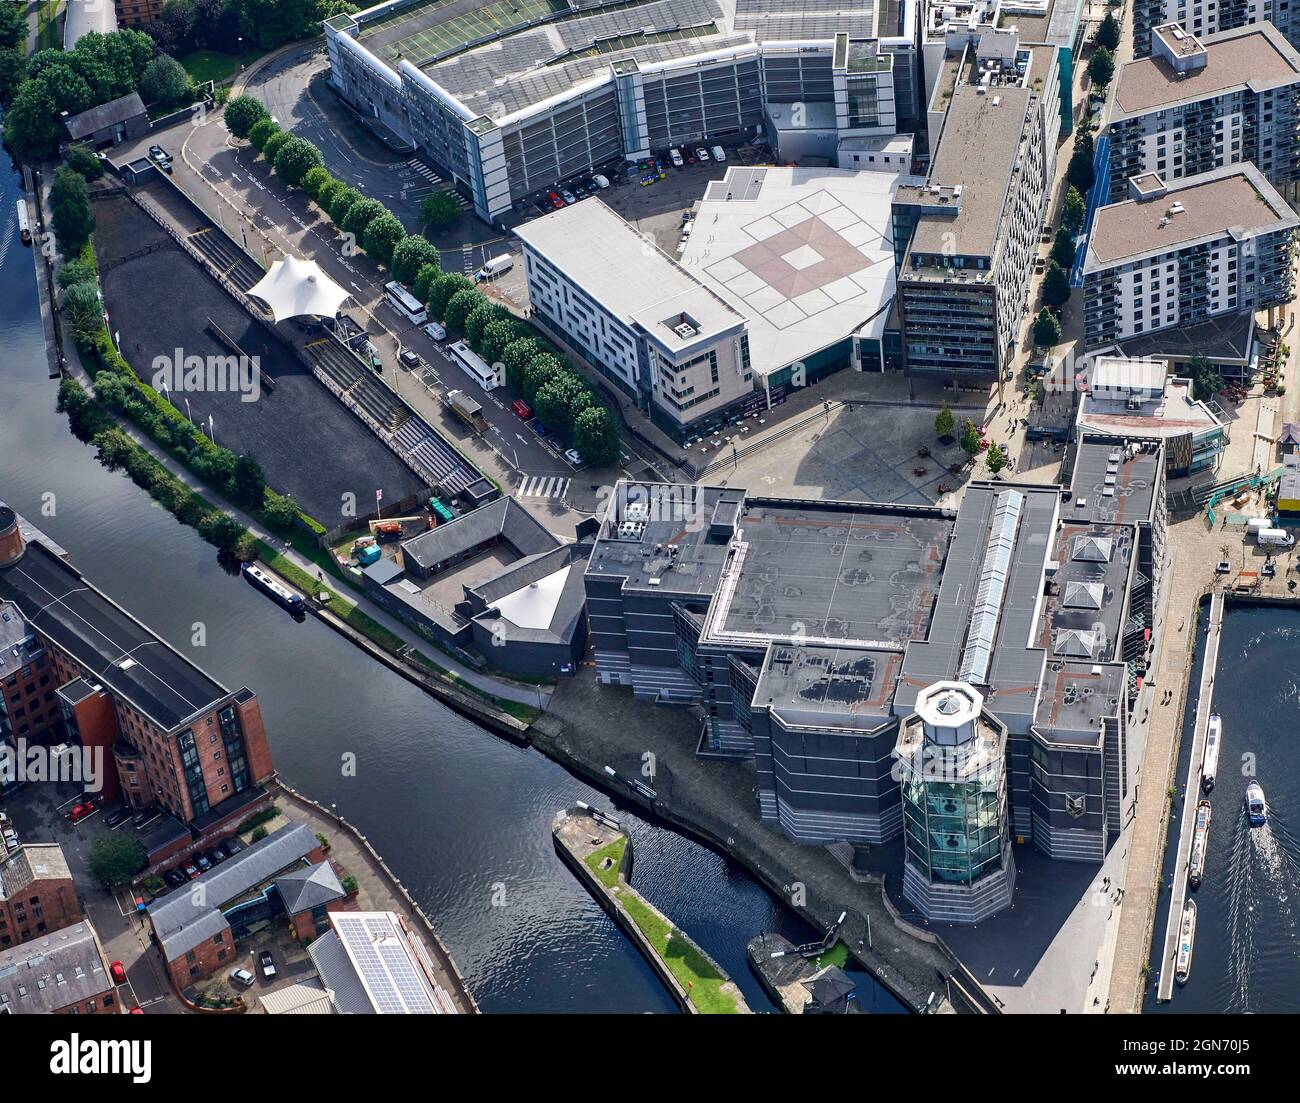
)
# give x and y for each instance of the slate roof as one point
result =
(505, 518)
(304, 889)
(56, 970)
(106, 114)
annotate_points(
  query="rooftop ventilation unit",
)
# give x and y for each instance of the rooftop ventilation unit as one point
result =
(637, 511)
(685, 330)
(631, 530)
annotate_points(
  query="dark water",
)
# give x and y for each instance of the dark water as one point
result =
(463, 817)
(1247, 950)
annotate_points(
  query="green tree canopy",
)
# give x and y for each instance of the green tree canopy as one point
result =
(260, 133)
(13, 27)
(315, 179)
(117, 857)
(165, 82)
(460, 306)
(273, 144)
(413, 254)
(442, 290)
(1101, 67)
(596, 437)
(70, 210)
(497, 334)
(295, 159)
(996, 458)
(1047, 329)
(30, 122)
(1063, 249)
(1108, 33)
(341, 206)
(1072, 211)
(360, 215)
(77, 270)
(242, 114)
(439, 211)
(83, 311)
(970, 437)
(1056, 286)
(1080, 172)
(424, 278)
(249, 481)
(477, 321)
(81, 159)
(382, 236)
(328, 192)
(944, 422)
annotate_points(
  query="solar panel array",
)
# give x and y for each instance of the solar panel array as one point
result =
(993, 585)
(380, 953)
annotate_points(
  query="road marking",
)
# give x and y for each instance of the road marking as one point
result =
(542, 486)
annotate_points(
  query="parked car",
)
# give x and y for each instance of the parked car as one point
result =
(538, 428)
(571, 454)
(143, 816)
(202, 862)
(190, 870)
(435, 332)
(242, 977)
(409, 359)
(267, 962)
(555, 199)
(232, 846)
(81, 810)
(719, 154)
(118, 815)
(569, 197)
(215, 855)
(690, 157)
(703, 155)
(119, 972)
(521, 409)
(601, 181)
(175, 878)
(675, 155)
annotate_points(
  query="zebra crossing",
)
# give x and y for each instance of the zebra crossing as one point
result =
(542, 486)
(437, 182)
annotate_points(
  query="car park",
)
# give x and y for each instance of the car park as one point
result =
(555, 199)
(215, 855)
(690, 157)
(267, 963)
(81, 810)
(117, 816)
(232, 846)
(144, 816)
(675, 155)
(242, 977)
(571, 454)
(521, 409)
(119, 972)
(569, 197)
(703, 155)
(601, 181)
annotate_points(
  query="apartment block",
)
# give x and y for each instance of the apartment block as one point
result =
(64, 972)
(36, 893)
(136, 13)
(169, 734)
(1215, 244)
(1199, 104)
(1205, 17)
(965, 239)
(668, 342)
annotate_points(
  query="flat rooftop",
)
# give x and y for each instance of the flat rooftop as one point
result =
(1172, 413)
(1084, 607)
(1256, 57)
(1116, 480)
(828, 572)
(806, 255)
(1233, 201)
(110, 644)
(1076, 697)
(629, 275)
(843, 687)
(1227, 338)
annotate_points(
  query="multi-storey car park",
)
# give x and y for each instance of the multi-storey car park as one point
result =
(513, 97)
(846, 645)
(1199, 104)
(1206, 246)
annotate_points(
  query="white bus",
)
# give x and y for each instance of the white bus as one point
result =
(475, 366)
(406, 304)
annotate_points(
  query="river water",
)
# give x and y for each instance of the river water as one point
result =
(461, 816)
(1246, 957)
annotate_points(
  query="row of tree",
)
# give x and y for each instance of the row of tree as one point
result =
(187, 25)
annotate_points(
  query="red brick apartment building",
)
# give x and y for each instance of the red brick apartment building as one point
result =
(136, 13)
(76, 667)
(36, 894)
(61, 973)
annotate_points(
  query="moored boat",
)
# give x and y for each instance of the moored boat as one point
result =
(24, 227)
(278, 593)
(1256, 805)
(1210, 762)
(1200, 844)
(1186, 937)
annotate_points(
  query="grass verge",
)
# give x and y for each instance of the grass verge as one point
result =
(215, 65)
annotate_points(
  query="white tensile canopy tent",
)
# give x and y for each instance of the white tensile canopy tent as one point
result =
(295, 288)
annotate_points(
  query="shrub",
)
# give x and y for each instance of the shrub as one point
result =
(328, 192)
(273, 144)
(165, 82)
(82, 308)
(70, 210)
(260, 132)
(341, 206)
(242, 114)
(315, 179)
(83, 161)
(259, 833)
(360, 215)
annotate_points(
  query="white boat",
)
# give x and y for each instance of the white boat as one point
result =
(1210, 763)
(24, 227)
(1186, 937)
(1256, 805)
(1200, 844)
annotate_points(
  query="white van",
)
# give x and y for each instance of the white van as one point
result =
(1277, 538)
(435, 332)
(718, 154)
(495, 267)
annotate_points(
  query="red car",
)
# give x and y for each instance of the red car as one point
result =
(137, 1011)
(81, 810)
(118, 971)
(521, 409)
(555, 199)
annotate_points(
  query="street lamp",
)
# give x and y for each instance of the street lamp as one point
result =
(212, 432)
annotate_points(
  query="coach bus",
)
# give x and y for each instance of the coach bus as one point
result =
(406, 304)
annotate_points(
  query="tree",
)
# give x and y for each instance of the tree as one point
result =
(165, 82)
(77, 270)
(249, 482)
(1080, 172)
(13, 72)
(496, 336)
(281, 512)
(1063, 248)
(341, 205)
(83, 310)
(70, 210)
(595, 436)
(477, 321)
(443, 289)
(1206, 381)
(1047, 329)
(69, 90)
(273, 144)
(1056, 286)
(116, 858)
(328, 192)
(944, 422)
(459, 308)
(360, 215)
(1073, 211)
(996, 458)
(295, 158)
(315, 179)
(424, 278)
(242, 114)
(260, 133)
(81, 160)
(382, 236)
(516, 357)
(970, 438)
(1101, 67)
(221, 530)
(30, 122)
(1107, 36)
(13, 27)
(271, 23)
(439, 211)
(411, 256)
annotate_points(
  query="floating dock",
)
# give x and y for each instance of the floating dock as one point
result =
(1191, 796)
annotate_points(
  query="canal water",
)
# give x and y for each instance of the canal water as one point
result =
(462, 816)
(1246, 956)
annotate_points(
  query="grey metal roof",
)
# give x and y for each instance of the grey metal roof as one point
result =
(373, 966)
(53, 971)
(304, 889)
(306, 997)
(106, 114)
(181, 923)
(338, 976)
(505, 518)
(819, 687)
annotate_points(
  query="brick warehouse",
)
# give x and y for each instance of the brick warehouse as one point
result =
(36, 893)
